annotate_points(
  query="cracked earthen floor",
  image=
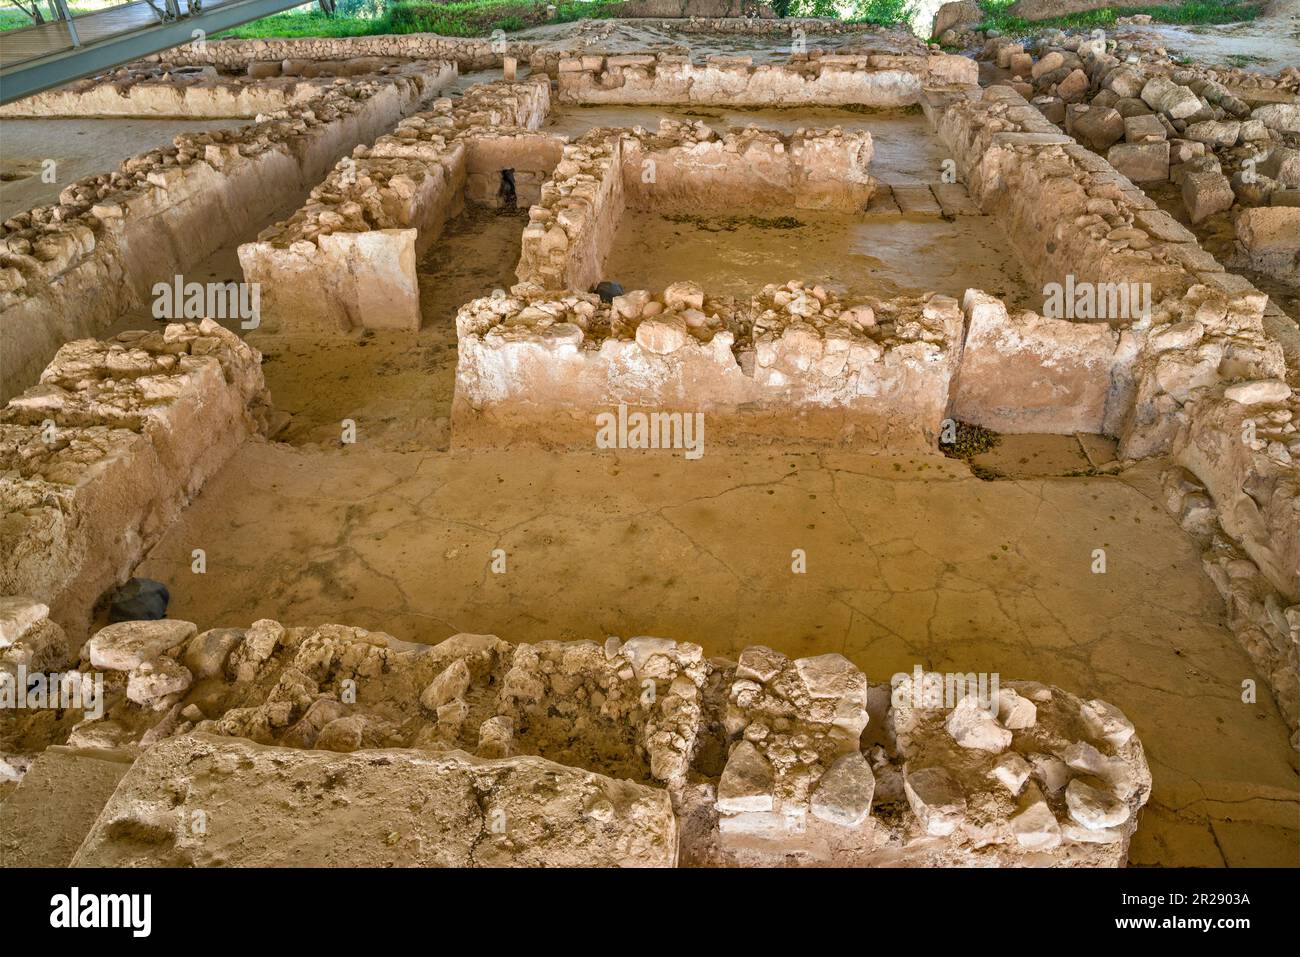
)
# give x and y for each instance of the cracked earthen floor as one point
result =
(909, 561)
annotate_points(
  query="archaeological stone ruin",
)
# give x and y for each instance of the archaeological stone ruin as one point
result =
(671, 441)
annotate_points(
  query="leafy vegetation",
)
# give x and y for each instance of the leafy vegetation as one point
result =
(466, 18)
(1192, 11)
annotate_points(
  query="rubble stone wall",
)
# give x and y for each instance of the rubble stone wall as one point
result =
(1236, 489)
(150, 93)
(1071, 216)
(467, 53)
(682, 168)
(823, 79)
(100, 457)
(689, 169)
(348, 257)
(576, 753)
(794, 362)
(571, 228)
(69, 270)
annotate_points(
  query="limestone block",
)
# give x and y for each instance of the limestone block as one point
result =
(393, 807)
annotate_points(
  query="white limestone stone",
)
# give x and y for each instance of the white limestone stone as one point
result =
(972, 726)
(936, 799)
(1093, 808)
(127, 645)
(747, 781)
(843, 795)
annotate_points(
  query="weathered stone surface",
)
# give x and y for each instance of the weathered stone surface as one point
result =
(1093, 808)
(1205, 194)
(843, 795)
(44, 821)
(17, 615)
(207, 653)
(935, 799)
(391, 808)
(1259, 392)
(1144, 162)
(1098, 127)
(1012, 771)
(156, 680)
(747, 781)
(129, 644)
(1034, 825)
(451, 683)
(972, 726)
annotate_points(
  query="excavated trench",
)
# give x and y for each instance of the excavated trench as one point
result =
(981, 562)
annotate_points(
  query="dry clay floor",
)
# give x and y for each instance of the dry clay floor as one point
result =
(909, 561)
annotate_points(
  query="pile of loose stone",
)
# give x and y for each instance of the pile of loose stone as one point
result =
(826, 322)
(1027, 774)
(765, 760)
(1157, 121)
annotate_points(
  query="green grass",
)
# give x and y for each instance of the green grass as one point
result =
(478, 18)
(307, 25)
(1193, 11)
(464, 18)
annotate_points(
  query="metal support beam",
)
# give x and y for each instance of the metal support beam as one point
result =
(66, 15)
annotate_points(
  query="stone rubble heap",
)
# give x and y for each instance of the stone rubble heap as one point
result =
(639, 751)
(1159, 121)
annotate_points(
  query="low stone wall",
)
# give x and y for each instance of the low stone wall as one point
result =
(690, 169)
(655, 755)
(70, 270)
(1237, 489)
(571, 228)
(1075, 222)
(1238, 442)
(100, 457)
(1025, 373)
(794, 364)
(686, 169)
(467, 53)
(348, 258)
(823, 79)
(154, 93)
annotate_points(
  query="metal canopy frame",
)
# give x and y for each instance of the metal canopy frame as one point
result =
(63, 53)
